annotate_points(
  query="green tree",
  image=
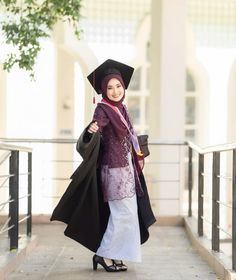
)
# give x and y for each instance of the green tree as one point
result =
(25, 22)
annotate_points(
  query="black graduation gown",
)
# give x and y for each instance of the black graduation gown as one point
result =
(82, 207)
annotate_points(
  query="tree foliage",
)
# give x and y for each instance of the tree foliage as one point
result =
(25, 22)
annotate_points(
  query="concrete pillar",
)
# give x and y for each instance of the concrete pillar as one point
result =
(3, 102)
(166, 103)
(65, 94)
(231, 138)
(69, 51)
(64, 36)
(167, 78)
(231, 99)
(64, 119)
(3, 120)
(155, 69)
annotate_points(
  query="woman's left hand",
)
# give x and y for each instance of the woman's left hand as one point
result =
(141, 163)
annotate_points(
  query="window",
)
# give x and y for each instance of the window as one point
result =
(134, 109)
(190, 114)
(190, 108)
(136, 80)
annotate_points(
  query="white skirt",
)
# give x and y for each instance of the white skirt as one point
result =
(121, 240)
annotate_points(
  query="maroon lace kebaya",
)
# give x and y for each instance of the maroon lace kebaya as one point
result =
(117, 159)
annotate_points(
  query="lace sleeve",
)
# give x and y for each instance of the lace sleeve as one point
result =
(101, 118)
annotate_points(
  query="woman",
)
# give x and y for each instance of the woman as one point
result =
(119, 196)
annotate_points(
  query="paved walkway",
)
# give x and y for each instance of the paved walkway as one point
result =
(167, 255)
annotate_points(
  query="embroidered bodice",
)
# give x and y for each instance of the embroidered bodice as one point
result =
(119, 176)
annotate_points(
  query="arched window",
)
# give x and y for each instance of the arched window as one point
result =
(138, 91)
(136, 80)
(190, 108)
(138, 98)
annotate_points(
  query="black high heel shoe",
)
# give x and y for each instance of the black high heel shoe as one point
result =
(100, 260)
(120, 265)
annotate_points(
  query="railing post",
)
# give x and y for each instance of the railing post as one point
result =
(29, 210)
(190, 180)
(200, 193)
(234, 212)
(215, 204)
(14, 194)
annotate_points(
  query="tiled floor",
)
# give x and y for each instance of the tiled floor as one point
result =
(167, 255)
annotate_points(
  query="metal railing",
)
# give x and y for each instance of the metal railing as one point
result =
(60, 177)
(216, 152)
(201, 185)
(11, 154)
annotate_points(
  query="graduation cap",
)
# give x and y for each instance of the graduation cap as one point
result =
(110, 67)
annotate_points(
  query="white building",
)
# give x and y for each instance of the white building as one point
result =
(183, 88)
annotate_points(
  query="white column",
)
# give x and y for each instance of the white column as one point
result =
(80, 52)
(167, 78)
(65, 94)
(172, 70)
(166, 105)
(155, 69)
(64, 120)
(3, 128)
(68, 52)
(3, 102)
(231, 101)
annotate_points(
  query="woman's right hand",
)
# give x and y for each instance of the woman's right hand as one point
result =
(93, 127)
